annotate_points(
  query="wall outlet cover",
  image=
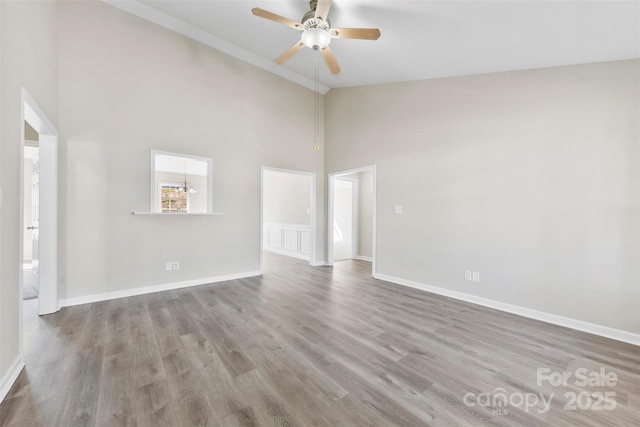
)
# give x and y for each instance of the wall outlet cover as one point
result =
(467, 275)
(168, 266)
(476, 276)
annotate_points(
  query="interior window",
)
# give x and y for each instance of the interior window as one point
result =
(180, 183)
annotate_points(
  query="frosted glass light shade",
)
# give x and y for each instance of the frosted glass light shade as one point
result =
(316, 38)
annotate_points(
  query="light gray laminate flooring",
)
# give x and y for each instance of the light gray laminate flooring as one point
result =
(304, 346)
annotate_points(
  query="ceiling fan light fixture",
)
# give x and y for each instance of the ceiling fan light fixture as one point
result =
(316, 38)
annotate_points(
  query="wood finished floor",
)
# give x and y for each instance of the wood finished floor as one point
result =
(305, 346)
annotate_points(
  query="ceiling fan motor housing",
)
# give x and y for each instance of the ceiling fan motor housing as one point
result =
(309, 19)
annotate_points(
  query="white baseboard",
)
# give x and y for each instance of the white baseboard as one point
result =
(318, 263)
(156, 288)
(364, 258)
(592, 328)
(10, 377)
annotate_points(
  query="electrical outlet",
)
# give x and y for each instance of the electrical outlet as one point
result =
(176, 265)
(398, 209)
(476, 276)
(168, 266)
(467, 275)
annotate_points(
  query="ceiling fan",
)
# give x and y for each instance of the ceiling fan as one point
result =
(317, 32)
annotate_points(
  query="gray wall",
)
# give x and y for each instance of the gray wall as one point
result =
(530, 178)
(36, 71)
(159, 90)
(286, 197)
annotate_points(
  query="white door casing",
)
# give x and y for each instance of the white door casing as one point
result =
(48, 205)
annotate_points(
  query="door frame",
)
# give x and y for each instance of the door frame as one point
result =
(48, 240)
(312, 206)
(331, 181)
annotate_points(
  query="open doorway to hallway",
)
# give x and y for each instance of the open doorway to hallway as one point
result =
(351, 233)
(288, 213)
(345, 219)
(31, 213)
(41, 229)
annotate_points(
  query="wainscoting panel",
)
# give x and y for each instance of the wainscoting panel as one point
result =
(274, 237)
(288, 239)
(305, 241)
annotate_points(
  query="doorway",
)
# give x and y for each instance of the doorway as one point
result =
(31, 212)
(351, 216)
(43, 206)
(345, 218)
(287, 213)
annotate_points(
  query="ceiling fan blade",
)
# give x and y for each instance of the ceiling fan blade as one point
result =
(276, 18)
(355, 33)
(322, 9)
(330, 59)
(289, 53)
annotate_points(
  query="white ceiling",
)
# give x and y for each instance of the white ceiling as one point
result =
(419, 39)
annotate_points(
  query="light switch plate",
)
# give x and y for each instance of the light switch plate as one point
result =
(398, 209)
(476, 276)
(467, 275)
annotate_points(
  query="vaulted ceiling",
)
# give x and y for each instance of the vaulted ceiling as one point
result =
(419, 39)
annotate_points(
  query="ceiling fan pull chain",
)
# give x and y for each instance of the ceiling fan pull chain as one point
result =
(317, 84)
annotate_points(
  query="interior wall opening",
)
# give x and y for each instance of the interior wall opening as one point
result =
(41, 229)
(288, 213)
(351, 219)
(30, 211)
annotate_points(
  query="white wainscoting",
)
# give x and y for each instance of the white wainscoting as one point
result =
(287, 239)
